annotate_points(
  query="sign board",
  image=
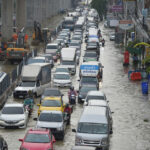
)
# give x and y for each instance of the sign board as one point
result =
(145, 12)
(89, 70)
(117, 8)
(126, 24)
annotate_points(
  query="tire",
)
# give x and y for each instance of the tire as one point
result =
(62, 136)
(79, 101)
(68, 121)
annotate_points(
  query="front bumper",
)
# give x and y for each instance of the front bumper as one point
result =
(19, 124)
(20, 94)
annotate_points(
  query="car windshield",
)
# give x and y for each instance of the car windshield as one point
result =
(28, 84)
(76, 38)
(90, 55)
(31, 61)
(62, 70)
(50, 117)
(51, 47)
(95, 97)
(12, 110)
(37, 138)
(92, 128)
(61, 76)
(89, 80)
(86, 89)
(68, 63)
(52, 92)
(51, 103)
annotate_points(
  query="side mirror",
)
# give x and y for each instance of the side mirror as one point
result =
(21, 140)
(107, 101)
(78, 80)
(111, 132)
(38, 104)
(74, 130)
(112, 112)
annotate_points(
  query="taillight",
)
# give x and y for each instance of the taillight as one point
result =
(23, 54)
(7, 53)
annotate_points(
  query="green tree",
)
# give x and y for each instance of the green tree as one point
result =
(100, 6)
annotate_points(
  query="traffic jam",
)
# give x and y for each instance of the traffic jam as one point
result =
(68, 75)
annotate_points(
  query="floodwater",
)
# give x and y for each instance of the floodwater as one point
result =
(131, 117)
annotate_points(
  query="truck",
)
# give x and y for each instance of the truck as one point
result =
(15, 53)
(69, 59)
(35, 78)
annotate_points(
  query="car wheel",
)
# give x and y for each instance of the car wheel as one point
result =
(62, 135)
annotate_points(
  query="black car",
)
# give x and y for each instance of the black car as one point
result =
(82, 93)
(89, 81)
(3, 144)
(90, 55)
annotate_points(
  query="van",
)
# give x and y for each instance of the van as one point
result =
(94, 128)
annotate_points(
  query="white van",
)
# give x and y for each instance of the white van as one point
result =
(94, 128)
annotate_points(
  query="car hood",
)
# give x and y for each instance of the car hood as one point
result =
(19, 88)
(44, 124)
(36, 146)
(15, 117)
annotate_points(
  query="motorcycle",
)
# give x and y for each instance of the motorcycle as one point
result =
(103, 43)
(28, 104)
(72, 99)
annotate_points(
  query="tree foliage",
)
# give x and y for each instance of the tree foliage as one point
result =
(100, 6)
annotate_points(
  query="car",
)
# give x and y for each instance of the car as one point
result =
(112, 36)
(90, 56)
(75, 44)
(38, 59)
(77, 38)
(93, 46)
(49, 58)
(88, 80)
(62, 79)
(96, 95)
(82, 93)
(51, 92)
(61, 69)
(14, 115)
(38, 139)
(51, 103)
(56, 121)
(3, 144)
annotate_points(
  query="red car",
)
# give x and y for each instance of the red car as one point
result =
(37, 139)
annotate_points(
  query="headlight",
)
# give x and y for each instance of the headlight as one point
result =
(22, 148)
(60, 128)
(104, 141)
(78, 140)
(23, 120)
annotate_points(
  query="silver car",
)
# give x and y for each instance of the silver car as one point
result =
(54, 120)
(14, 115)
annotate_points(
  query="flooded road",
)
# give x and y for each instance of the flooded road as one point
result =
(130, 107)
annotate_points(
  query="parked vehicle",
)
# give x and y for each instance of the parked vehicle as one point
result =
(56, 121)
(94, 128)
(38, 139)
(68, 59)
(34, 77)
(3, 144)
(14, 115)
(62, 79)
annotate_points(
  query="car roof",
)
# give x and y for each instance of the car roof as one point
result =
(65, 73)
(13, 105)
(96, 93)
(93, 102)
(52, 44)
(94, 114)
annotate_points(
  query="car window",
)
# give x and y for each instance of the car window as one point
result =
(51, 103)
(95, 97)
(13, 110)
(52, 92)
(49, 117)
(37, 138)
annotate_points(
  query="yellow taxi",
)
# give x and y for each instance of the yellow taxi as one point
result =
(51, 103)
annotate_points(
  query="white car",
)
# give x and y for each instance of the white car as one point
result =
(62, 79)
(14, 115)
(97, 95)
(112, 36)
